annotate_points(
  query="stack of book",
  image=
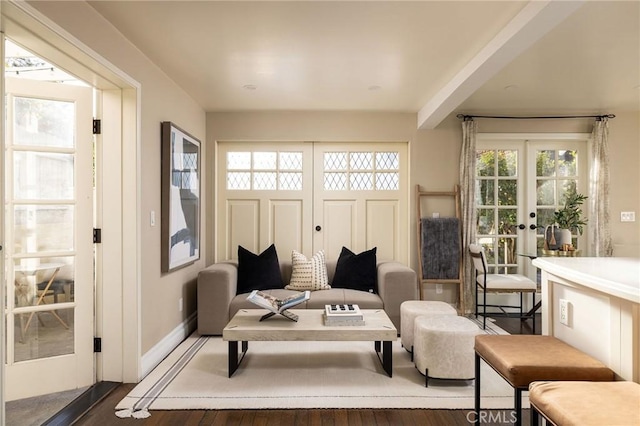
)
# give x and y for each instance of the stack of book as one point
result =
(343, 315)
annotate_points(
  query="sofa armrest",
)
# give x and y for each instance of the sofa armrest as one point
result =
(217, 286)
(396, 283)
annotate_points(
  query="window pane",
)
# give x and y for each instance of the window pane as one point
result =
(485, 163)
(507, 192)
(486, 196)
(238, 160)
(290, 161)
(42, 122)
(45, 176)
(544, 217)
(335, 160)
(507, 221)
(264, 180)
(335, 181)
(485, 221)
(387, 181)
(506, 250)
(507, 163)
(566, 188)
(45, 337)
(43, 228)
(264, 160)
(387, 161)
(361, 181)
(546, 163)
(361, 161)
(238, 180)
(545, 192)
(567, 163)
(290, 181)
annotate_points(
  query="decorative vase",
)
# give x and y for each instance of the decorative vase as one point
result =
(564, 237)
(555, 238)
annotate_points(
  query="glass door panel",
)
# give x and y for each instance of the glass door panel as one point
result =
(49, 217)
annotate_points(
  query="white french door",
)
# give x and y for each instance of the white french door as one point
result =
(49, 250)
(310, 196)
(521, 181)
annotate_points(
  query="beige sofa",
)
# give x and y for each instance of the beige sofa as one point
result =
(218, 302)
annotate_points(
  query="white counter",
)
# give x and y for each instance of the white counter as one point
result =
(603, 296)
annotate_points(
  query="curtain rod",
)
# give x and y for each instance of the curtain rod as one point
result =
(466, 117)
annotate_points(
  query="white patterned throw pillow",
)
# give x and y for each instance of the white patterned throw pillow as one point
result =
(308, 274)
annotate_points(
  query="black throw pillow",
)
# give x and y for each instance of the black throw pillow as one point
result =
(356, 271)
(258, 271)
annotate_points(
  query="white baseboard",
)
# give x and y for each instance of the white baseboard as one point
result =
(164, 347)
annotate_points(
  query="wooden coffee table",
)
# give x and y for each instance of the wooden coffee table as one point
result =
(246, 326)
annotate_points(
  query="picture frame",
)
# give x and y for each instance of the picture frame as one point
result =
(180, 198)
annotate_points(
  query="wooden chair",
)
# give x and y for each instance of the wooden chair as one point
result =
(499, 283)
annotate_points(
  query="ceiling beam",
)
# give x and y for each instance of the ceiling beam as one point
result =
(535, 20)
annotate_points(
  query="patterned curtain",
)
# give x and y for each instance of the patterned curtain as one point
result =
(468, 205)
(598, 219)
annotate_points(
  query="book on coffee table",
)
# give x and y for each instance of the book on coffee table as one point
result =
(278, 306)
(349, 314)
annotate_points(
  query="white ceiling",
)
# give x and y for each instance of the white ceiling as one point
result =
(431, 57)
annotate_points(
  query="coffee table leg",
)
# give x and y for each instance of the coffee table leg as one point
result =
(233, 355)
(387, 357)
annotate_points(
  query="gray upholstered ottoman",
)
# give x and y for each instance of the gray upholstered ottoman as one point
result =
(443, 347)
(411, 309)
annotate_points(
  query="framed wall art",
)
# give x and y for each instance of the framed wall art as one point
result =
(180, 198)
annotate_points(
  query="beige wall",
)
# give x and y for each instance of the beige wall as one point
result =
(162, 100)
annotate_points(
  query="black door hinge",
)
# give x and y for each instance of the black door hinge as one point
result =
(97, 344)
(96, 126)
(97, 235)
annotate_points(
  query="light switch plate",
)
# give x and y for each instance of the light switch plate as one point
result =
(627, 216)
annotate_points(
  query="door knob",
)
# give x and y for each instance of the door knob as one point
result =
(318, 228)
(532, 215)
(521, 226)
(533, 227)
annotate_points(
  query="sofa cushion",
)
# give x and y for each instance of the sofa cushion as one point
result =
(356, 271)
(340, 296)
(308, 274)
(258, 272)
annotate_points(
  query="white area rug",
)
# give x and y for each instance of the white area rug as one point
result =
(303, 375)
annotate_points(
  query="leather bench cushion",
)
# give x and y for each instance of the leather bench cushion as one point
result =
(318, 299)
(587, 403)
(522, 359)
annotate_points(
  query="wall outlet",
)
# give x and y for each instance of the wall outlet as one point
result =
(438, 288)
(435, 214)
(564, 312)
(180, 305)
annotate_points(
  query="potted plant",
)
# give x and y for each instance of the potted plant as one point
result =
(569, 218)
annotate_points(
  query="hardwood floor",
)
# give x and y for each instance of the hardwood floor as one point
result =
(103, 412)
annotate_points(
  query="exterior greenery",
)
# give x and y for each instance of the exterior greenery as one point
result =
(570, 216)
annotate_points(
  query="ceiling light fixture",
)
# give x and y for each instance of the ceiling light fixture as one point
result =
(250, 87)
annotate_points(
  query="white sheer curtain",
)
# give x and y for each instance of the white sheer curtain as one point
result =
(598, 219)
(468, 206)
